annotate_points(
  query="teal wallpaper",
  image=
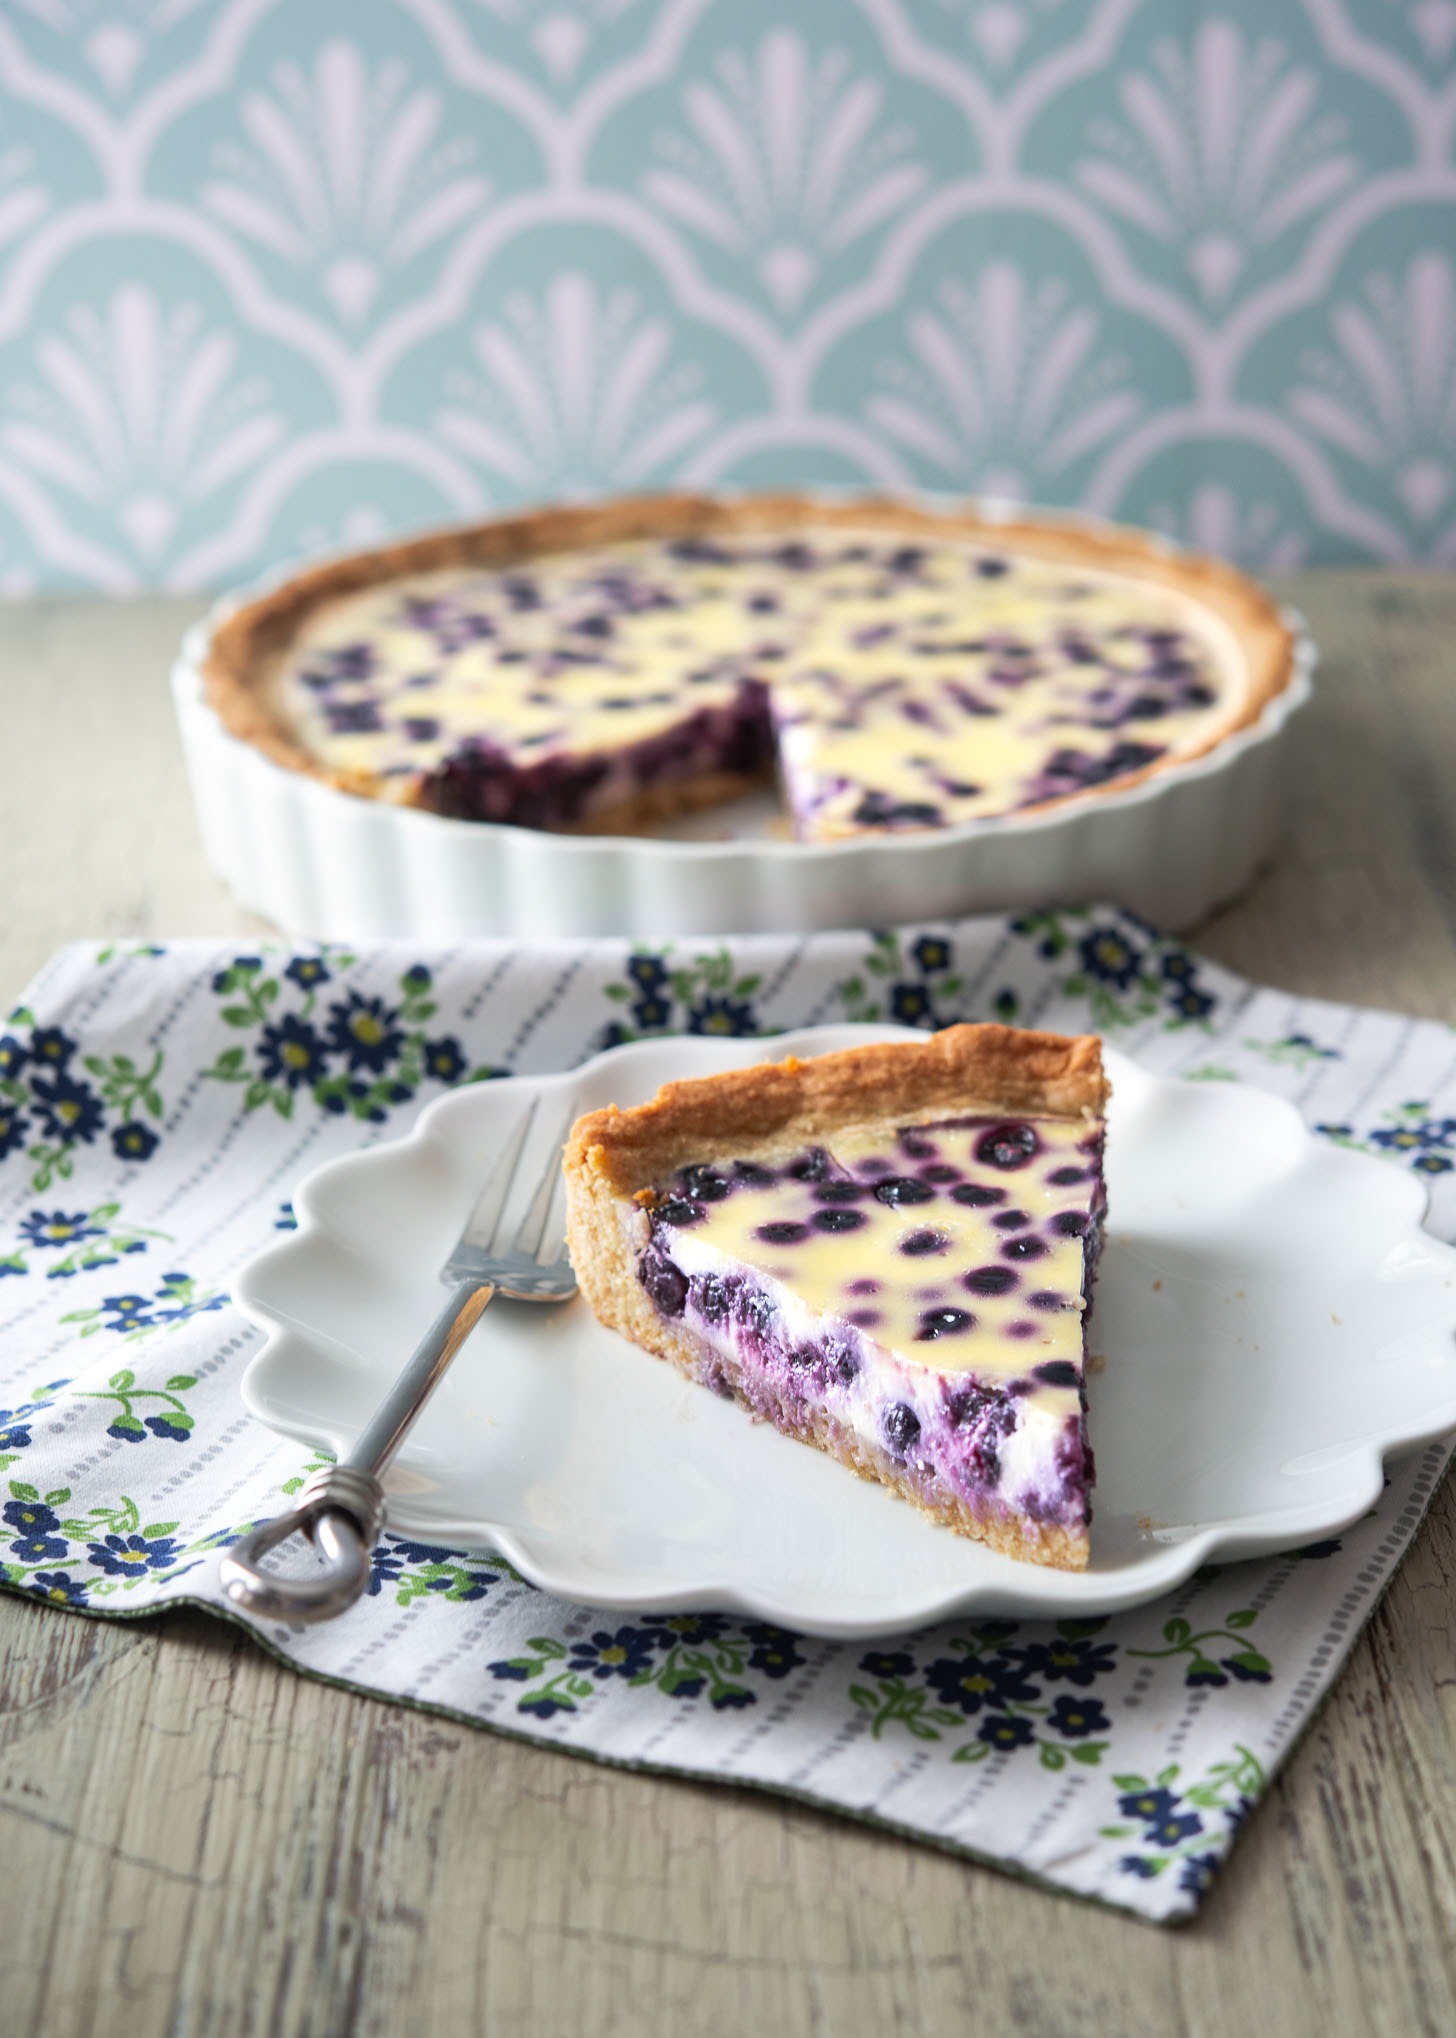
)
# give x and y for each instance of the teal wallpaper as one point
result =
(278, 275)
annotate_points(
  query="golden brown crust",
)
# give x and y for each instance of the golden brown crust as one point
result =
(246, 648)
(611, 1155)
(999, 1069)
(998, 1526)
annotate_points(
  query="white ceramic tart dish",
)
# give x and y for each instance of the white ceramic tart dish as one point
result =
(682, 714)
(1272, 1319)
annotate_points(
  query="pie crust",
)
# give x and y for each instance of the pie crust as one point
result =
(614, 1158)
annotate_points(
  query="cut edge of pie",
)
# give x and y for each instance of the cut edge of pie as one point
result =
(616, 1161)
(248, 646)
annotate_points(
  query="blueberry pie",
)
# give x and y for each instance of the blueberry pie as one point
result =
(600, 668)
(887, 1252)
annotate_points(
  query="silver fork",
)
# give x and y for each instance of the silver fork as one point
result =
(341, 1508)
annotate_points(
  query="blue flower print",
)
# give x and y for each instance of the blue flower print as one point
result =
(129, 1312)
(1151, 1804)
(13, 1128)
(36, 1541)
(1191, 1003)
(55, 1228)
(1075, 1661)
(662, 1630)
(165, 1426)
(1171, 1829)
(1178, 966)
(50, 1048)
(134, 1555)
(14, 1430)
(971, 1682)
(1006, 1730)
(621, 1654)
(911, 1005)
(13, 1056)
(728, 1698)
(285, 1220)
(1076, 1718)
(931, 953)
(366, 1031)
(888, 1663)
(69, 1111)
(1197, 1872)
(291, 1052)
(1138, 1864)
(416, 980)
(59, 1587)
(241, 965)
(386, 1565)
(134, 1142)
(1109, 956)
(445, 1060)
(1433, 1164)
(652, 1011)
(773, 1653)
(715, 1014)
(176, 1292)
(308, 972)
(650, 971)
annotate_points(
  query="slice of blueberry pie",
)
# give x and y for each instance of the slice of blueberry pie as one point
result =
(886, 1252)
(598, 668)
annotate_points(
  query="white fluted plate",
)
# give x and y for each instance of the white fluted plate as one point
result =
(1274, 1323)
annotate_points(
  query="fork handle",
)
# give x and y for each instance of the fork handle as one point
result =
(341, 1508)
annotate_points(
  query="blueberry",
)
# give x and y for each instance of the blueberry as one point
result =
(810, 1167)
(838, 1192)
(1063, 1178)
(713, 1297)
(1069, 1223)
(943, 1323)
(838, 1220)
(666, 1286)
(1007, 1146)
(918, 1146)
(842, 1359)
(753, 1174)
(865, 1285)
(1057, 1373)
(801, 1360)
(783, 1232)
(921, 1242)
(941, 1171)
(903, 1189)
(678, 1210)
(977, 1195)
(1047, 1298)
(902, 1427)
(1011, 1220)
(967, 1406)
(990, 1281)
(755, 1309)
(1027, 1247)
(704, 1184)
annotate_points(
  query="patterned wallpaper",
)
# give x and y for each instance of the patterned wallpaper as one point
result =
(281, 276)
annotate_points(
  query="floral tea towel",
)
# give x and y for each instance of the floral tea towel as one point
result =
(157, 1108)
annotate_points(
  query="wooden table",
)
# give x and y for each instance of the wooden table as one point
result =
(202, 1842)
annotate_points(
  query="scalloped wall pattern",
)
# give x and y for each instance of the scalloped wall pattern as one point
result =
(280, 278)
